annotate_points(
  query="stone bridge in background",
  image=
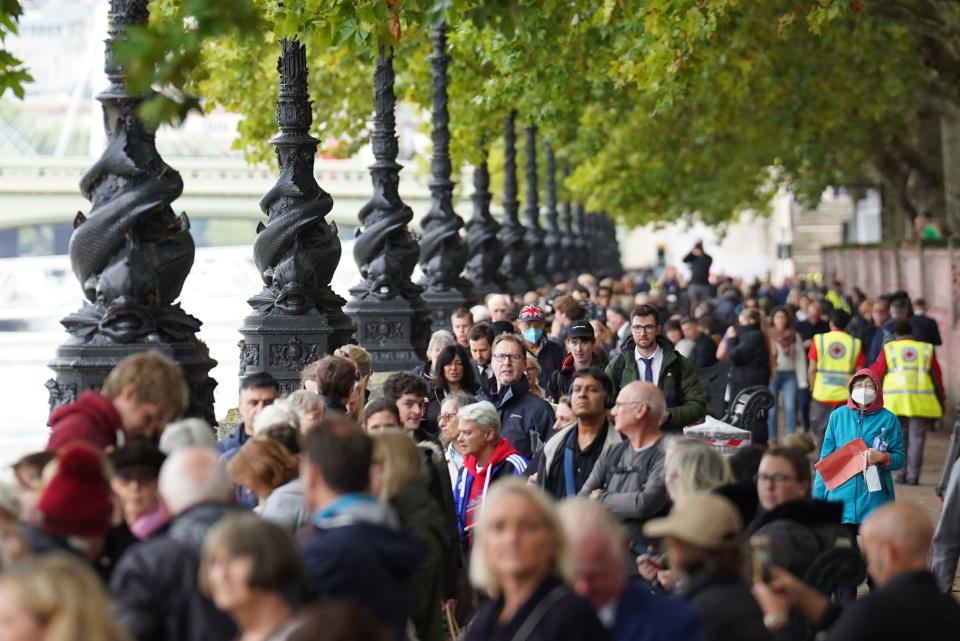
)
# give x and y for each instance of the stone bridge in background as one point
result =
(40, 197)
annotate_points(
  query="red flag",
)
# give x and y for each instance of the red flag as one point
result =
(843, 464)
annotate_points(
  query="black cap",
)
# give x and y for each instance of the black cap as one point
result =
(503, 327)
(581, 329)
(137, 454)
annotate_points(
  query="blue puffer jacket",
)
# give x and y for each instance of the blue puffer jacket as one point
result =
(847, 423)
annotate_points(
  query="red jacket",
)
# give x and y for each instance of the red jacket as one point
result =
(91, 418)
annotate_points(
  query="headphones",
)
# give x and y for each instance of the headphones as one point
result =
(609, 398)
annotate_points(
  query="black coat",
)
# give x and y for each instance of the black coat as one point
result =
(726, 607)
(924, 328)
(749, 357)
(908, 606)
(799, 531)
(553, 613)
(704, 352)
(699, 268)
(154, 586)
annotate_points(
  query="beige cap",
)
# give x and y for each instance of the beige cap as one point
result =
(702, 519)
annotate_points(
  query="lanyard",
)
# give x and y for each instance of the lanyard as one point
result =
(568, 478)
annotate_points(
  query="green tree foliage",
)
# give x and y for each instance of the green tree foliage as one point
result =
(667, 109)
(13, 75)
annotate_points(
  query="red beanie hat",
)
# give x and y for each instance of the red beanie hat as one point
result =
(77, 500)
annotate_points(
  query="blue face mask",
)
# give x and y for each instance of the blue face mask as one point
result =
(532, 335)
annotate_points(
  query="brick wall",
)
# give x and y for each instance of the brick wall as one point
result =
(933, 274)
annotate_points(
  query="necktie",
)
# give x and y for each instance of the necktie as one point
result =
(647, 369)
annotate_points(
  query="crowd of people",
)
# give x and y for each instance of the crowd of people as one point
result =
(531, 480)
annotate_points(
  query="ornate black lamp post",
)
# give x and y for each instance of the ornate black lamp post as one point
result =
(514, 267)
(568, 236)
(616, 265)
(593, 236)
(486, 251)
(393, 322)
(296, 318)
(443, 252)
(582, 242)
(537, 260)
(131, 254)
(553, 240)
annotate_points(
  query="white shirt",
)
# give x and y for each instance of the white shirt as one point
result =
(655, 365)
(608, 614)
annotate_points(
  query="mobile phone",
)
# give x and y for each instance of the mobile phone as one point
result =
(760, 554)
(658, 562)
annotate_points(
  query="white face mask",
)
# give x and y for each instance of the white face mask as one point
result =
(863, 396)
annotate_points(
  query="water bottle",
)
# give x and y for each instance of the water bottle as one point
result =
(880, 441)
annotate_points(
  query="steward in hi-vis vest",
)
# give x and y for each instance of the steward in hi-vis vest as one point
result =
(912, 389)
(908, 388)
(833, 358)
(837, 355)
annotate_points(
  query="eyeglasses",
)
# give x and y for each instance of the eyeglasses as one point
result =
(443, 418)
(531, 370)
(776, 479)
(513, 357)
(644, 328)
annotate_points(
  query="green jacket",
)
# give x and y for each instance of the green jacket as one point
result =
(685, 399)
(421, 516)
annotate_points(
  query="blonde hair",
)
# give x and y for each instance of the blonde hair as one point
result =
(155, 378)
(358, 355)
(401, 460)
(63, 593)
(481, 574)
(700, 467)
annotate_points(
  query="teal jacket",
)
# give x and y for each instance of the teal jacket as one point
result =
(847, 423)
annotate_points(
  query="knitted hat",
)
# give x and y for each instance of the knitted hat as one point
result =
(77, 500)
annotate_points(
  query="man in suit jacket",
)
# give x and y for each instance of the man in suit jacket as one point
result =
(481, 351)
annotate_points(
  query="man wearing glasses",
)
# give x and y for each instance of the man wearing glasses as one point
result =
(653, 359)
(628, 477)
(525, 419)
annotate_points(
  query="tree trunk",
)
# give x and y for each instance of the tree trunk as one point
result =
(950, 136)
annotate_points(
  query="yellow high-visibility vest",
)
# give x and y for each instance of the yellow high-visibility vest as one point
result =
(908, 385)
(838, 301)
(837, 354)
